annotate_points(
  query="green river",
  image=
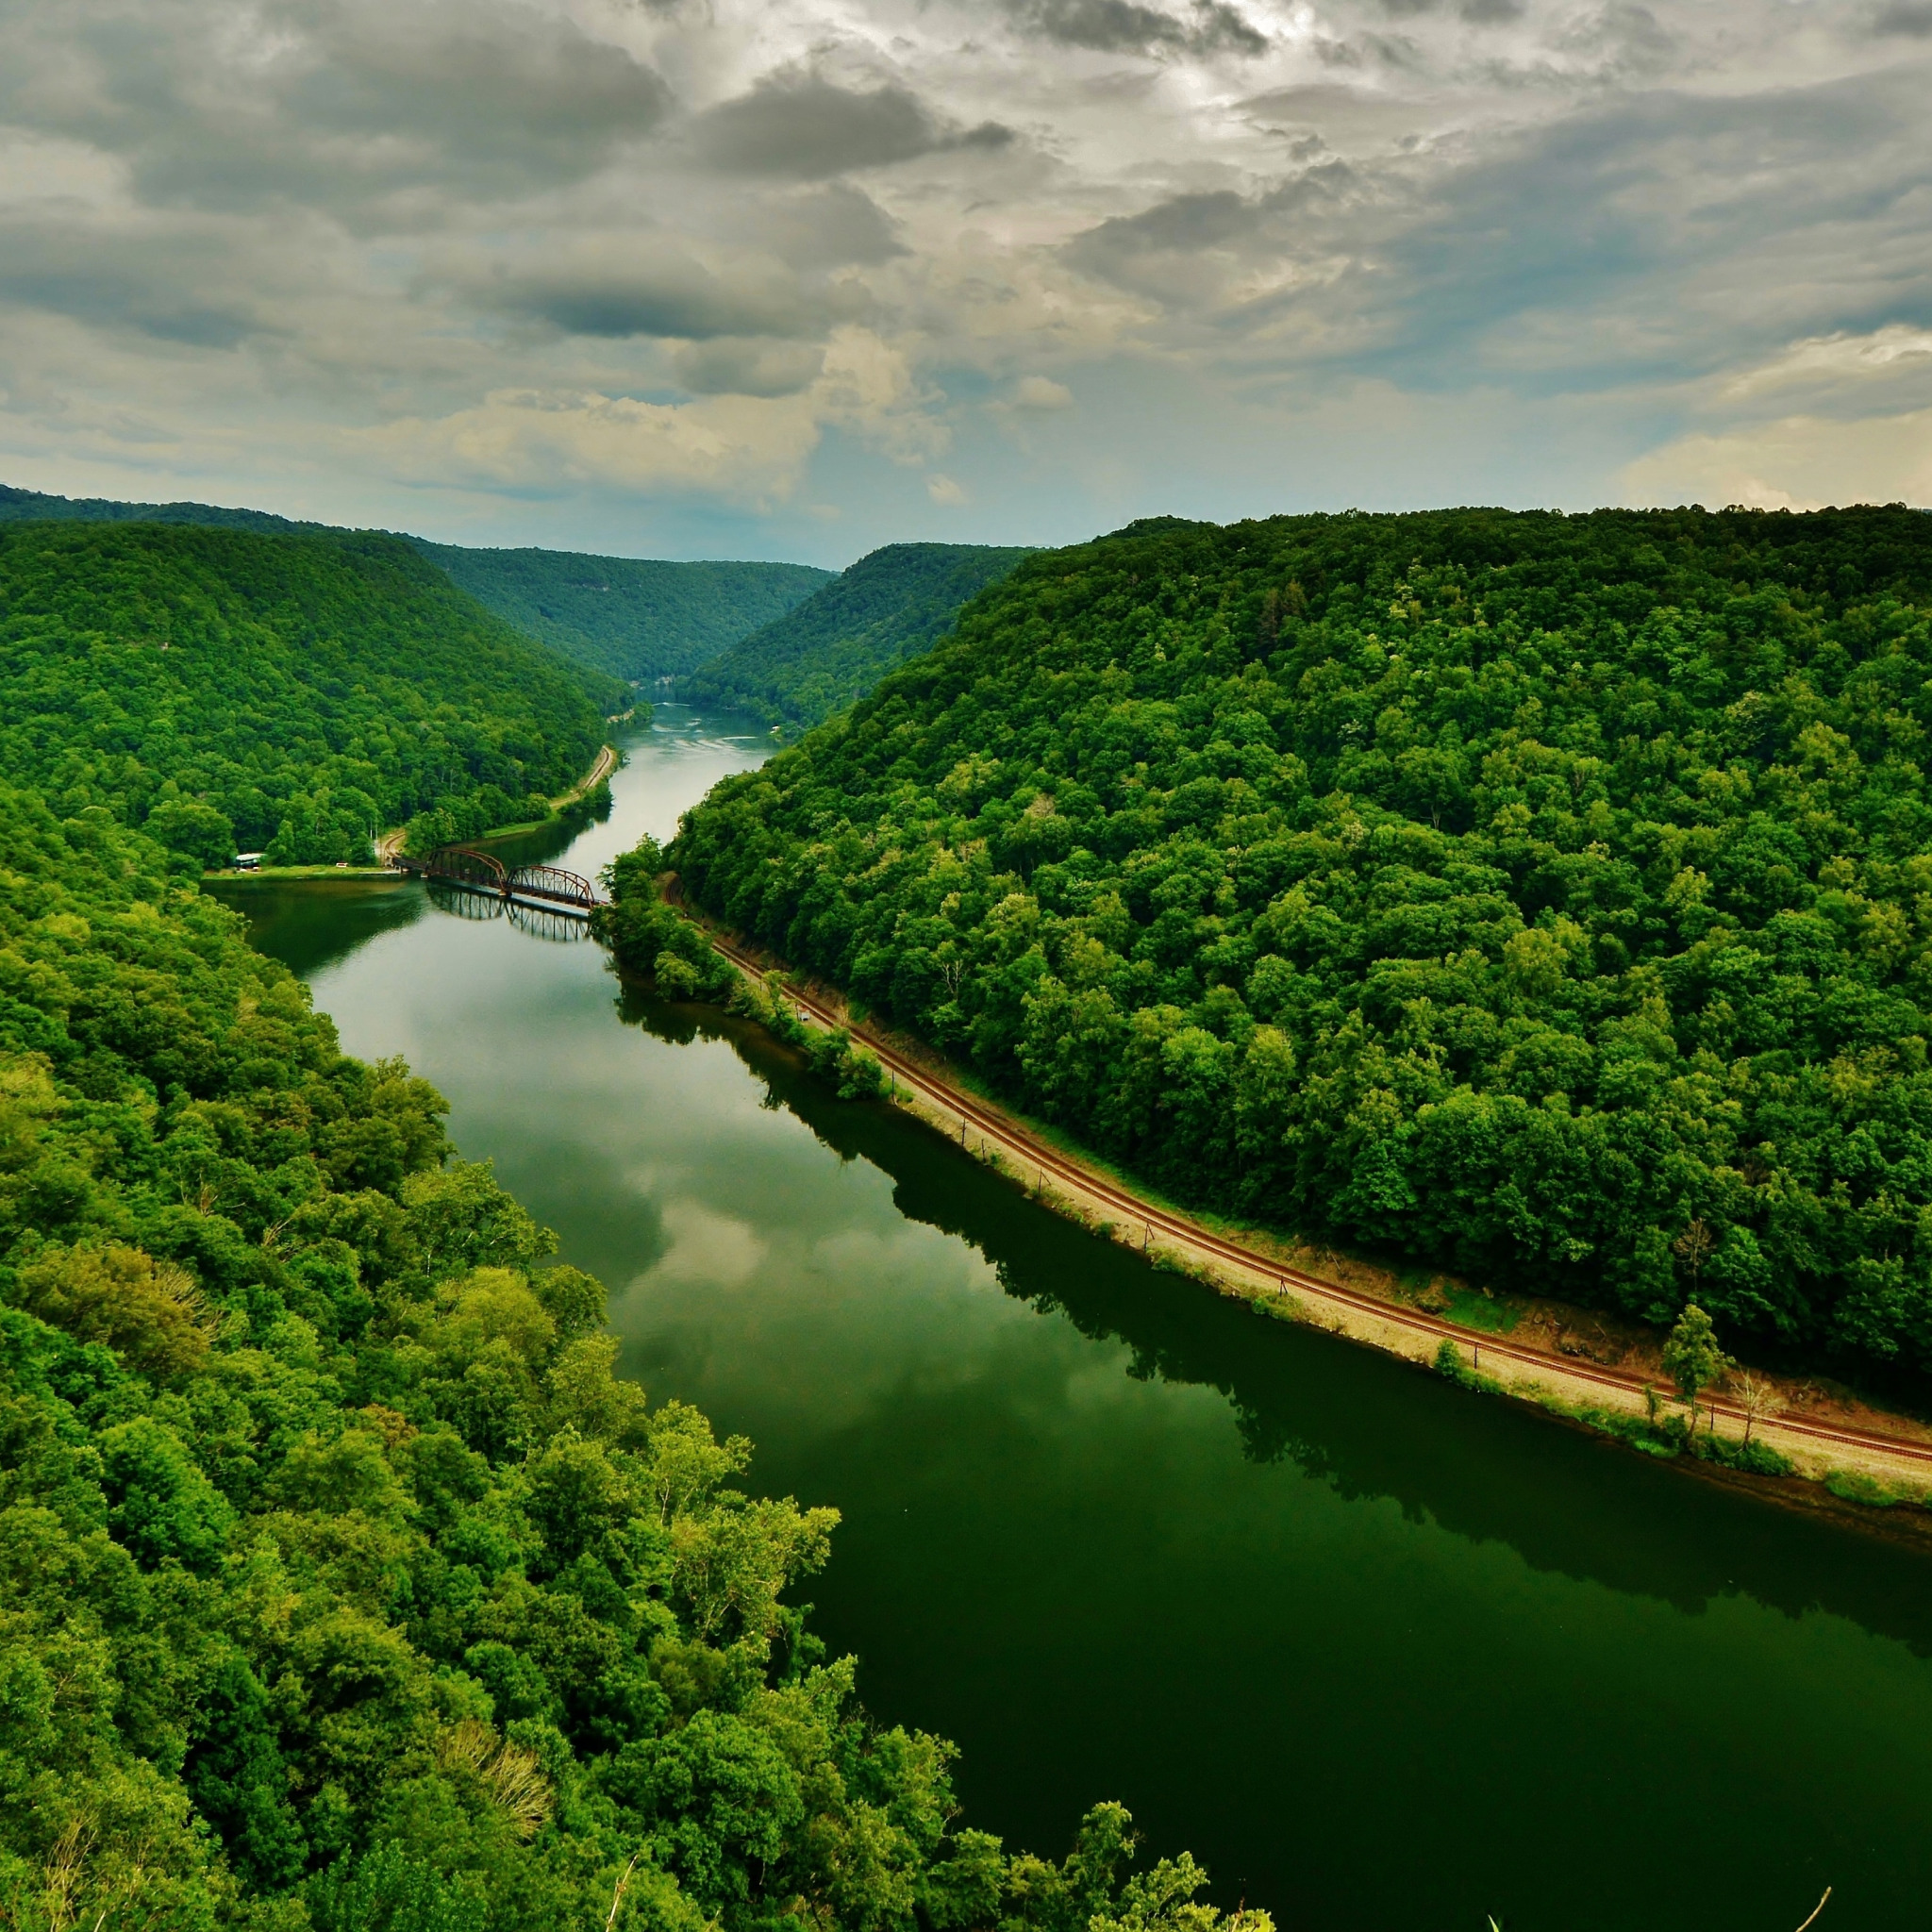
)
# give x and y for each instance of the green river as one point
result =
(1383, 1654)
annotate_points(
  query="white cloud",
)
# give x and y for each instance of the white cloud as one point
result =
(1041, 395)
(763, 256)
(1801, 463)
(742, 447)
(1883, 355)
(944, 491)
(733, 446)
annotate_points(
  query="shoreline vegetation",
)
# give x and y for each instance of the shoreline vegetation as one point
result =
(1479, 1339)
(583, 795)
(1540, 899)
(347, 1587)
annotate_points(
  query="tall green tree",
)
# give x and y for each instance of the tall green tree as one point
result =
(1691, 1356)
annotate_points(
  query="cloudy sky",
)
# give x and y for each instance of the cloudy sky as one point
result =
(796, 277)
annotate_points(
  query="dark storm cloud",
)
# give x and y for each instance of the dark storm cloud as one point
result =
(624, 288)
(1122, 26)
(806, 128)
(477, 82)
(1141, 252)
(1909, 17)
(1654, 239)
(614, 303)
(1800, 200)
(824, 227)
(340, 100)
(170, 288)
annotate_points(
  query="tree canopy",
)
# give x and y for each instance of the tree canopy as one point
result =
(838, 644)
(343, 1586)
(291, 692)
(1548, 897)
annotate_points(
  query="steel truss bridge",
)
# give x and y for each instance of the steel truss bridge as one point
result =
(542, 887)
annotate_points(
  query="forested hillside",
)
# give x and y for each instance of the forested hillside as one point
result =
(292, 693)
(629, 617)
(344, 1586)
(632, 617)
(31, 505)
(1543, 896)
(838, 644)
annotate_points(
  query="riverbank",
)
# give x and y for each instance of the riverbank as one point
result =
(1062, 1472)
(1875, 1459)
(389, 844)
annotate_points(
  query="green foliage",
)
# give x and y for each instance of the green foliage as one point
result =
(1691, 1358)
(840, 641)
(1664, 1439)
(852, 1070)
(630, 617)
(1543, 897)
(344, 1587)
(768, 1003)
(1755, 1458)
(1855, 1486)
(291, 694)
(650, 937)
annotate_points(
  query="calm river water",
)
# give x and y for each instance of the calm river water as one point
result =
(1383, 1654)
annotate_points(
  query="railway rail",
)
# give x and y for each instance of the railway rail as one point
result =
(995, 1128)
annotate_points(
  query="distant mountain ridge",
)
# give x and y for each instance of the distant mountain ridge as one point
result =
(31, 505)
(832, 648)
(633, 617)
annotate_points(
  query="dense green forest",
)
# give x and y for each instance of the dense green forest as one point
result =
(292, 694)
(632, 617)
(838, 644)
(1543, 896)
(345, 1588)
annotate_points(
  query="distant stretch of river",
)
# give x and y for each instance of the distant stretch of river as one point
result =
(1383, 1654)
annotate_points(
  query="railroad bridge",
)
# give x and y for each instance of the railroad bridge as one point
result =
(548, 887)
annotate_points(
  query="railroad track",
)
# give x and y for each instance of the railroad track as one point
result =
(996, 1129)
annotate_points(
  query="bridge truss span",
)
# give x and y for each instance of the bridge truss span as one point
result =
(548, 887)
(552, 883)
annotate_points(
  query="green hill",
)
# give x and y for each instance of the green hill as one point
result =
(288, 691)
(31, 506)
(1546, 897)
(838, 644)
(632, 617)
(347, 1588)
